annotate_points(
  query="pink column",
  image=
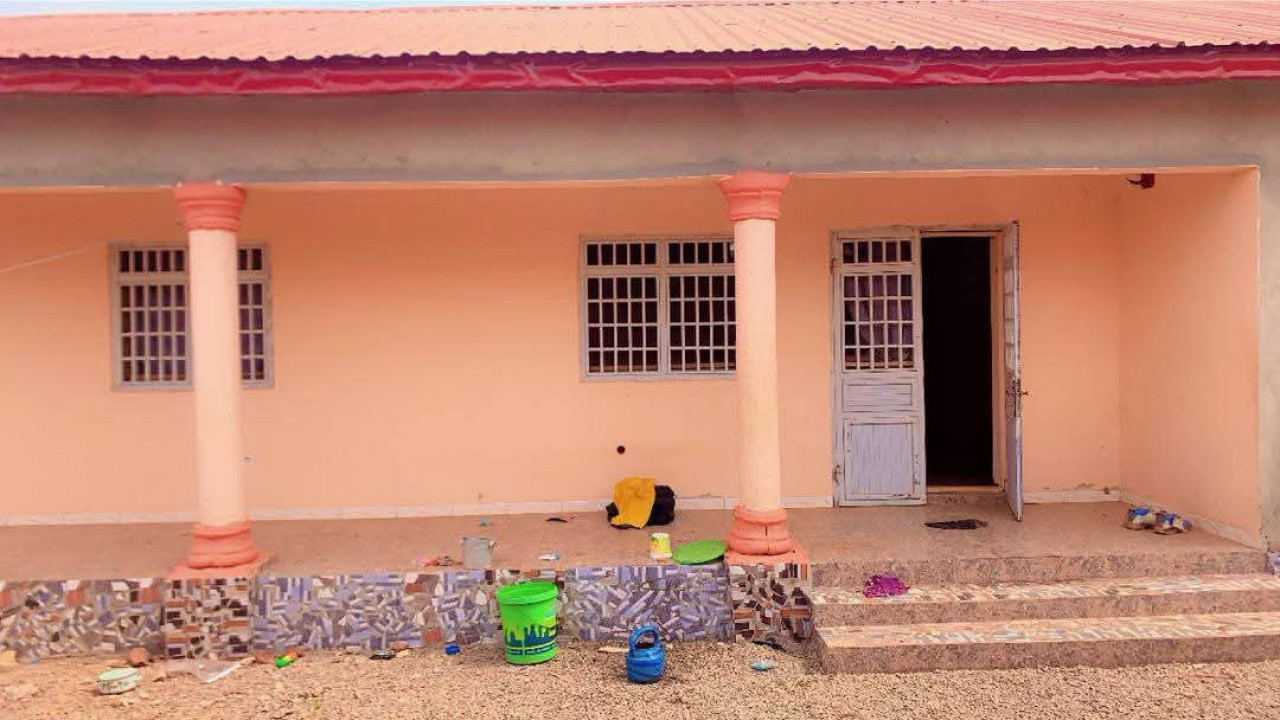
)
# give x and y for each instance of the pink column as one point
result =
(221, 539)
(759, 522)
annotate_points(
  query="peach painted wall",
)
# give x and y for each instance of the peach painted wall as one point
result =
(69, 444)
(427, 345)
(1188, 329)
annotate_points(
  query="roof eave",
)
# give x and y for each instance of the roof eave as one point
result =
(634, 72)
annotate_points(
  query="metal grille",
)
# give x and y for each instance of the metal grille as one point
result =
(153, 333)
(701, 313)
(251, 263)
(658, 307)
(150, 306)
(875, 250)
(699, 252)
(151, 315)
(879, 321)
(622, 324)
(622, 253)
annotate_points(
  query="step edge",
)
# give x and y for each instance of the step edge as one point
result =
(816, 599)
(822, 634)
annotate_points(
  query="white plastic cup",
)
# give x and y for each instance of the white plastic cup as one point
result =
(660, 546)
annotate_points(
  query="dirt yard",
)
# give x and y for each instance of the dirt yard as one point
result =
(703, 680)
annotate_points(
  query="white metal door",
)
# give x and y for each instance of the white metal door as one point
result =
(1009, 278)
(879, 389)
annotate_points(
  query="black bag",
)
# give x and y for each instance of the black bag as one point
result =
(664, 507)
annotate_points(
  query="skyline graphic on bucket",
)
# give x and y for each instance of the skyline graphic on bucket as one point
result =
(529, 624)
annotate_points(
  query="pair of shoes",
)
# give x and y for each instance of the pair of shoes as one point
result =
(1168, 523)
(1140, 518)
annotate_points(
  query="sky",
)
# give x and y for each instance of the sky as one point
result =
(31, 7)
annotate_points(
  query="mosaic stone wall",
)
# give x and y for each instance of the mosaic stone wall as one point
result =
(465, 602)
(607, 603)
(228, 618)
(40, 619)
(771, 601)
(207, 617)
(595, 604)
(338, 611)
(419, 600)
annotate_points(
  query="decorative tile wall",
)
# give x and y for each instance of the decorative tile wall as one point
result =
(465, 604)
(207, 618)
(607, 603)
(41, 619)
(595, 604)
(229, 617)
(771, 601)
(337, 611)
(419, 600)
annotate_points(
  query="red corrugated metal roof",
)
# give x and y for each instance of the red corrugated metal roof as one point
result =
(661, 27)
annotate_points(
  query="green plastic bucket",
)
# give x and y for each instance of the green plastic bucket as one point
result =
(528, 613)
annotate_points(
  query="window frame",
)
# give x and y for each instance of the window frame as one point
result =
(663, 270)
(116, 279)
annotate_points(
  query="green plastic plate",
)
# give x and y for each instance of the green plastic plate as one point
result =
(699, 552)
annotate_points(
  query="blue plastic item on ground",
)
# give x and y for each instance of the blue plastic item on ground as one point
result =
(645, 663)
(1140, 518)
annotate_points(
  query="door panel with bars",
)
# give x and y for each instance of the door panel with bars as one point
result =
(879, 375)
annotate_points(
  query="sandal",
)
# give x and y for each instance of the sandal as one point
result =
(1171, 524)
(1140, 518)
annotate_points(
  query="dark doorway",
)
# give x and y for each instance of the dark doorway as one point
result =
(956, 301)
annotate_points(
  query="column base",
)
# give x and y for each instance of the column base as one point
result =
(795, 556)
(221, 551)
(760, 532)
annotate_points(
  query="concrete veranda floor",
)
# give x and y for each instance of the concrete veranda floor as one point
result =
(828, 534)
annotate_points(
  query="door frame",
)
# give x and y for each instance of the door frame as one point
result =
(996, 234)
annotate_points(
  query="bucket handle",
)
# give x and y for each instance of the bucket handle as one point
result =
(640, 632)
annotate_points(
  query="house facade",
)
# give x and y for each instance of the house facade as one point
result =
(236, 289)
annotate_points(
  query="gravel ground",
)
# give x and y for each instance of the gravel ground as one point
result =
(703, 680)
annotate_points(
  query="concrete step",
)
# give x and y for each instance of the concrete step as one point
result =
(1042, 568)
(1103, 597)
(1097, 642)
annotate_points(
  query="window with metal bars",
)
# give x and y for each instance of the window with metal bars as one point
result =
(150, 302)
(658, 307)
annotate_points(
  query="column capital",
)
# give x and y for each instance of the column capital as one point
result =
(209, 205)
(754, 194)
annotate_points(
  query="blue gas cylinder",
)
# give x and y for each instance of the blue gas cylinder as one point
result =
(645, 658)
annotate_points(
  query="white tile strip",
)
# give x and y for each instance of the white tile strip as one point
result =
(123, 518)
(1080, 495)
(701, 502)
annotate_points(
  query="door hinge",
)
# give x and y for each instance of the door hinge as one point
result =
(831, 265)
(835, 474)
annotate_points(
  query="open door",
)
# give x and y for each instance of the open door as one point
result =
(1013, 393)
